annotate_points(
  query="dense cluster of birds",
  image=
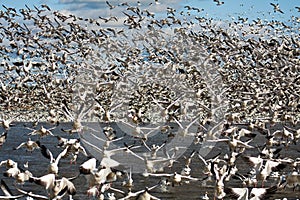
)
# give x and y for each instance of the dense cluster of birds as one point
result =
(142, 87)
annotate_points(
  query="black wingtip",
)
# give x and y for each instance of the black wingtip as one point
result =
(84, 171)
(4, 134)
(4, 185)
(44, 152)
(31, 180)
(271, 190)
(5, 174)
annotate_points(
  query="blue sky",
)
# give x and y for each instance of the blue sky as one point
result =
(231, 9)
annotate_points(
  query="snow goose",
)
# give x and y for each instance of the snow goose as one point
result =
(29, 145)
(53, 166)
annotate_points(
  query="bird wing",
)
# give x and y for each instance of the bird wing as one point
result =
(20, 146)
(176, 100)
(62, 192)
(30, 194)
(192, 122)
(46, 153)
(262, 193)
(190, 178)
(153, 197)
(93, 146)
(68, 187)
(236, 192)
(36, 144)
(161, 146)
(203, 160)
(179, 124)
(252, 160)
(134, 154)
(82, 150)
(277, 133)
(152, 187)
(117, 190)
(156, 102)
(61, 140)
(147, 147)
(5, 188)
(244, 144)
(12, 196)
(33, 132)
(49, 133)
(275, 166)
(167, 175)
(108, 162)
(62, 154)
(4, 135)
(219, 140)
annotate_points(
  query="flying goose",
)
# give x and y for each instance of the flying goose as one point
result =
(267, 168)
(98, 176)
(77, 125)
(139, 132)
(276, 8)
(145, 195)
(129, 182)
(234, 143)
(254, 161)
(176, 178)
(29, 145)
(250, 193)
(6, 123)
(18, 173)
(184, 131)
(154, 148)
(73, 148)
(42, 132)
(23, 176)
(12, 172)
(61, 187)
(62, 142)
(209, 164)
(47, 181)
(248, 180)
(53, 166)
(218, 2)
(186, 170)
(88, 166)
(9, 163)
(109, 153)
(165, 111)
(141, 195)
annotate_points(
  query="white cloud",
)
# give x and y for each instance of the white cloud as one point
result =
(95, 8)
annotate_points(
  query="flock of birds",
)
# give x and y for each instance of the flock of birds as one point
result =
(140, 89)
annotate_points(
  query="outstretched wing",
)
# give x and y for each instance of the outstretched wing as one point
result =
(46, 153)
